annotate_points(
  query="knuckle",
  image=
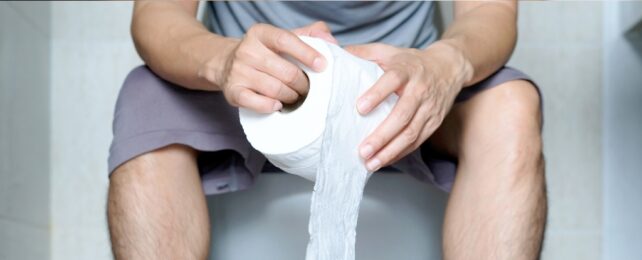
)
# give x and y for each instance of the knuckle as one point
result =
(375, 140)
(208, 72)
(395, 75)
(235, 68)
(282, 38)
(256, 28)
(385, 157)
(242, 97)
(230, 97)
(290, 74)
(245, 52)
(233, 76)
(241, 52)
(410, 135)
(404, 115)
(309, 54)
(418, 96)
(273, 89)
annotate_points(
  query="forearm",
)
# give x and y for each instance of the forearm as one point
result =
(482, 36)
(178, 47)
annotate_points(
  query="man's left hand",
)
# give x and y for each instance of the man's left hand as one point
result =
(427, 82)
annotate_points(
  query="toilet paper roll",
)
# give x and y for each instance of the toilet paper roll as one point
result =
(291, 140)
(319, 142)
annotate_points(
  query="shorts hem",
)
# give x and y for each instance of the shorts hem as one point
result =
(128, 148)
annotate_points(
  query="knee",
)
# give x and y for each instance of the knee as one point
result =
(518, 128)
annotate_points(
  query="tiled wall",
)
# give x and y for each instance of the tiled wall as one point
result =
(24, 130)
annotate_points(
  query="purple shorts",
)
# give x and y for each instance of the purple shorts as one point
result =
(152, 113)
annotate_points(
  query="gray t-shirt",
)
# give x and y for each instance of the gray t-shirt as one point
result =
(402, 24)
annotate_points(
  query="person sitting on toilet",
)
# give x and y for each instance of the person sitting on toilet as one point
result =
(475, 123)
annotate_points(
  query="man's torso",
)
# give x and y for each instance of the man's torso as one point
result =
(403, 24)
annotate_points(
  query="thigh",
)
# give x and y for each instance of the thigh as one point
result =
(157, 208)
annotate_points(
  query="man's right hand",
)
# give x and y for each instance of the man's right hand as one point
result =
(257, 77)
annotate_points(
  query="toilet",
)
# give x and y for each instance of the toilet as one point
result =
(400, 218)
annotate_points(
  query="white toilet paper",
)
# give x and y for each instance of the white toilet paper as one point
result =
(319, 141)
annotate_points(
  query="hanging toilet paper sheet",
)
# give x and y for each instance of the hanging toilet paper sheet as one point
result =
(319, 141)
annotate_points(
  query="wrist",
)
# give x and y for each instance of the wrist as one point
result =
(453, 61)
(214, 68)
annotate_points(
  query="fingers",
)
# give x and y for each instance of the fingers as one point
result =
(285, 42)
(386, 85)
(244, 97)
(403, 143)
(259, 78)
(401, 115)
(273, 88)
(283, 70)
(427, 131)
(319, 30)
(263, 84)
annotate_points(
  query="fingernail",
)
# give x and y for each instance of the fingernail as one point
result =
(373, 165)
(319, 64)
(363, 105)
(366, 151)
(277, 106)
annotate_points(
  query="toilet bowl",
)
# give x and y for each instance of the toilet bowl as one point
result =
(400, 218)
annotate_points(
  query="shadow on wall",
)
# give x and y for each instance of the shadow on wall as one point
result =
(634, 37)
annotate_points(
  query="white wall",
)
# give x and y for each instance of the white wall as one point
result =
(53, 186)
(91, 53)
(622, 130)
(24, 130)
(560, 46)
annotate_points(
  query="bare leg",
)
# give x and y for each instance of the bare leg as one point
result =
(497, 208)
(157, 209)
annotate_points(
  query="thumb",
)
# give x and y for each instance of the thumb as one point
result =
(363, 51)
(371, 51)
(319, 30)
(320, 26)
